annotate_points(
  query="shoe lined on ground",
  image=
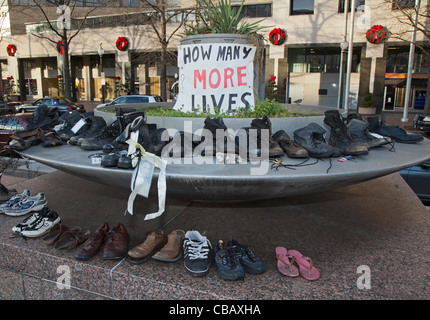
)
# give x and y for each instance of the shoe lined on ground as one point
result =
(96, 124)
(196, 253)
(27, 205)
(27, 222)
(93, 245)
(172, 251)
(340, 137)
(292, 149)
(116, 243)
(359, 130)
(226, 263)
(399, 135)
(250, 263)
(312, 138)
(71, 118)
(154, 241)
(14, 200)
(41, 225)
(264, 123)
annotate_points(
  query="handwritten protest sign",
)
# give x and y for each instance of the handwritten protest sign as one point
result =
(215, 76)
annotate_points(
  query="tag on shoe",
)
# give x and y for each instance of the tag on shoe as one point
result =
(78, 126)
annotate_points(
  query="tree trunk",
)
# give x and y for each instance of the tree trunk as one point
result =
(66, 66)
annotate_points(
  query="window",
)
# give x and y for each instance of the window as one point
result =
(323, 60)
(357, 4)
(130, 3)
(301, 7)
(254, 10)
(398, 60)
(403, 4)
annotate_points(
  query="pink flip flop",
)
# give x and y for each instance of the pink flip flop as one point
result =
(285, 266)
(306, 266)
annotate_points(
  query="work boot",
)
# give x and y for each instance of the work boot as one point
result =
(96, 124)
(225, 143)
(42, 118)
(292, 149)
(275, 149)
(312, 138)
(360, 132)
(340, 137)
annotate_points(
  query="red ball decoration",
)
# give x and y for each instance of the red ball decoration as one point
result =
(11, 50)
(377, 34)
(122, 43)
(277, 36)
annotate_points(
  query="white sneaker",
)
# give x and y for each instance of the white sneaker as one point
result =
(14, 200)
(42, 225)
(27, 222)
(27, 205)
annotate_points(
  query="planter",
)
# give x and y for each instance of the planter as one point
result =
(367, 111)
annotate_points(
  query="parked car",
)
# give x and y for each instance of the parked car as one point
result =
(8, 107)
(136, 98)
(418, 178)
(62, 104)
(422, 122)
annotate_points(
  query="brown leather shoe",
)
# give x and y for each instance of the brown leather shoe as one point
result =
(292, 149)
(154, 242)
(116, 242)
(92, 246)
(172, 251)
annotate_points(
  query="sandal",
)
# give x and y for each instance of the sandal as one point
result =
(22, 140)
(285, 266)
(56, 232)
(51, 139)
(72, 238)
(306, 266)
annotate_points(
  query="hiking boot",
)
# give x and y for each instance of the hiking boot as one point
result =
(275, 149)
(312, 138)
(226, 263)
(157, 143)
(196, 253)
(340, 137)
(224, 142)
(292, 149)
(360, 132)
(250, 263)
(70, 120)
(42, 118)
(96, 124)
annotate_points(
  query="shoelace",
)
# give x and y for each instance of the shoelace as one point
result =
(197, 250)
(230, 259)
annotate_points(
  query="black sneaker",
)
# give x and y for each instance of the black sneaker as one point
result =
(196, 253)
(250, 263)
(227, 263)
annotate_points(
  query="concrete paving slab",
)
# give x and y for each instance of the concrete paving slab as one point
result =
(379, 225)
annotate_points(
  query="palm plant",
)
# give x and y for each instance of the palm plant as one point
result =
(221, 18)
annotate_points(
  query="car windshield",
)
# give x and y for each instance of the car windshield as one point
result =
(63, 101)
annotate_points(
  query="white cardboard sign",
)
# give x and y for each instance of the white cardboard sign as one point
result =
(215, 76)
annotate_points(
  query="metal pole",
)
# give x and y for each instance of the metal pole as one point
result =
(410, 66)
(342, 54)
(350, 48)
(101, 72)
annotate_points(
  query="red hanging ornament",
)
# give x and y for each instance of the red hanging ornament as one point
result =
(60, 46)
(377, 34)
(277, 36)
(11, 50)
(122, 43)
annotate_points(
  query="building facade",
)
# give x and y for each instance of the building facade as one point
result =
(307, 65)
